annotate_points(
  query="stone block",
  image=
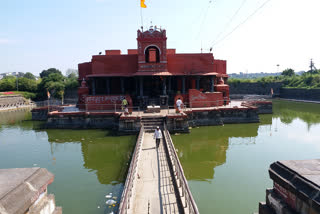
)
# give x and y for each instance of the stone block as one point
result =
(23, 188)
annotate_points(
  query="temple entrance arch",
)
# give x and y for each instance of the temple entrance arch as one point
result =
(152, 54)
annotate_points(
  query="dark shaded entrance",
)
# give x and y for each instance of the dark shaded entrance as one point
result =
(152, 86)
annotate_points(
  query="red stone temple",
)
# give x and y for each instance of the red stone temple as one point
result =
(152, 75)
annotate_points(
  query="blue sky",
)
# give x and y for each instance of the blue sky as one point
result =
(39, 34)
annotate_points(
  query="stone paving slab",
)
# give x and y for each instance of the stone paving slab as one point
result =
(309, 169)
(20, 188)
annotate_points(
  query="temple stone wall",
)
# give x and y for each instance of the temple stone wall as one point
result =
(264, 107)
(227, 116)
(75, 121)
(129, 126)
(255, 88)
(300, 94)
(175, 123)
(178, 124)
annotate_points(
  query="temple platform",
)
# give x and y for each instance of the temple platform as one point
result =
(130, 123)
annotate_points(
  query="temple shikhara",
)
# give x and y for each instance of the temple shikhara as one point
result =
(152, 74)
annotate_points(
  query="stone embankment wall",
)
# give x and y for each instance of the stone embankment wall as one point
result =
(226, 116)
(41, 113)
(300, 94)
(239, 90)
(12, 102)
(264, 107)
(132, 124)
(84, 120)
(255, 88)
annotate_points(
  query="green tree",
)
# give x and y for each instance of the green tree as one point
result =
(46, 73)
(26, 84)
(54, 83)
(288, 72)
(8, 83)
(72, 79)
(72, 73)
(30, 76)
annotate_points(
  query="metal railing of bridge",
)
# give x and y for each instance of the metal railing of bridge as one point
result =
(132, 174)
(181, 181)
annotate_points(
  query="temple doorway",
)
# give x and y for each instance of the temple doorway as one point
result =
(152, 87)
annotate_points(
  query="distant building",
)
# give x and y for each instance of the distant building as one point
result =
(242, 75)
(19, 74)
(153, 74)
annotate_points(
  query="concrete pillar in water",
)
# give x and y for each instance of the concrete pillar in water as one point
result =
(141, 86)
(183, 85)
(108, 85)
(93, 86)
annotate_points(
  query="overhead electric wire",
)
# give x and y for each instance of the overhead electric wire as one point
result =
(204, 18)
(230, 20)
(241, 23)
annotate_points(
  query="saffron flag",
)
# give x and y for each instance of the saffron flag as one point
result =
(48, 94)
(142, 4)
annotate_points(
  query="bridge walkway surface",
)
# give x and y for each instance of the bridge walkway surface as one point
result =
(154, 187)
(155, 182)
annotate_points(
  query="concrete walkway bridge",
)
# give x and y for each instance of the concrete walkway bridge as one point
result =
(155, 182)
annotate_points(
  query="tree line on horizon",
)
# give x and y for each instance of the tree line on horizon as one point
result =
(51, 80)
(308, 80)
(56, 83)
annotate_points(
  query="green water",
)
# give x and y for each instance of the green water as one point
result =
(226, 166)
(87, 164)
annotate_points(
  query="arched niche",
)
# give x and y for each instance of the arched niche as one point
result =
(152, 54)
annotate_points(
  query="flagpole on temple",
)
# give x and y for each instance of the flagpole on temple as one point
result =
(142, 5)
(141, 17)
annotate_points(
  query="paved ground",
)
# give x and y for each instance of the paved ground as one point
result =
(164, 112)
(154, 192)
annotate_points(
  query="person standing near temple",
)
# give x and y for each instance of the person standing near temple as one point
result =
(157, 135)
(124, 103)
(179, 104)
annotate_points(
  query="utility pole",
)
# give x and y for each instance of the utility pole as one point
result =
(311, 66)
(17, 83)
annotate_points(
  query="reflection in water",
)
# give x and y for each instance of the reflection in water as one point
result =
(14, 116)
(226, 166)
(288, 111)
(205, 148)
(108, 156)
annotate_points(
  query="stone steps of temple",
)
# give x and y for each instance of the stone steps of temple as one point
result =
(150, 123)
(149, 128)
(159, 123)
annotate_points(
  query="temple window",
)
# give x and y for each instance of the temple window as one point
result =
(152, 54)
